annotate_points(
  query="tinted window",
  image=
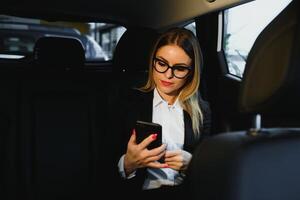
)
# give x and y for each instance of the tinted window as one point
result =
(242, 25)
(18, 36)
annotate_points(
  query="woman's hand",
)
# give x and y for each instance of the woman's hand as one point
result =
(138, 156)
(178, 159)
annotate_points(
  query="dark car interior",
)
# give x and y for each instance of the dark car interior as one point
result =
(259, 163)
(41, 103)
(57, 110)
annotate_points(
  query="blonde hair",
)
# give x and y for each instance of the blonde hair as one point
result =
(188, 96)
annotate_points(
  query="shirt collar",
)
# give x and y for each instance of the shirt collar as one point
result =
(157, 100)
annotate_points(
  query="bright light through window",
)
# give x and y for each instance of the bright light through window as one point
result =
(242, 25)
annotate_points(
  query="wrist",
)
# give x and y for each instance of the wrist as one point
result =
(128, 168)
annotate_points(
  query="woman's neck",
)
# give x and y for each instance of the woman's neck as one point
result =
(168, 98)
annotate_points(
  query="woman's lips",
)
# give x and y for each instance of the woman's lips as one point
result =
(166, 83)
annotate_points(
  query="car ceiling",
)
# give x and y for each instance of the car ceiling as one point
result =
(157, 14)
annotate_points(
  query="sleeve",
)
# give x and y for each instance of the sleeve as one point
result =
(122, 170)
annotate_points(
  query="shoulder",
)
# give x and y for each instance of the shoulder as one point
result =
(136, 93)
(136, 96)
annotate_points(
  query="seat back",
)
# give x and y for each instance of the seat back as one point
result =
(61, 120)
(59, 52)
(132, 56)
(259, 163)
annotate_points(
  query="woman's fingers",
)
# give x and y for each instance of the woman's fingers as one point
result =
(132, 139)
(142, 157)
(157, 165)
(178, 159)
(170, 154)
(175, 165)
(174, 159)
(157, 150)
(173, 156)
(154, 157)
(148, 140)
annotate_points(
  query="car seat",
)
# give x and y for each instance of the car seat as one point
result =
(132, 56)
(259, 163)
(48, 55)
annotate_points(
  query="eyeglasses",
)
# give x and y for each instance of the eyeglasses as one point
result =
(178, 71)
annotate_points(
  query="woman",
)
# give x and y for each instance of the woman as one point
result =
(170, 98)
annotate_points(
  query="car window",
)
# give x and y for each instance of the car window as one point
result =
(191, 26)
(14, 44)
(107, 35)
(18, 36)
(242, 25)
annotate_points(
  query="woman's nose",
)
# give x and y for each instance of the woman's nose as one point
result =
(169, 73)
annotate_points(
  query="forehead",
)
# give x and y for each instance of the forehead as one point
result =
(173, 54)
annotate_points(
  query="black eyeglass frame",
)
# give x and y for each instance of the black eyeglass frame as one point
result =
(189, 68)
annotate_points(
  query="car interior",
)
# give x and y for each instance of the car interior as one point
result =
(259, 163)
(57, 109)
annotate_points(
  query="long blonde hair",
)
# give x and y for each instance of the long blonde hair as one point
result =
(188, 96)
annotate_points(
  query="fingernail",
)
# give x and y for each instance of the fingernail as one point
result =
(133, 131)
(154, 136)
(166, 166)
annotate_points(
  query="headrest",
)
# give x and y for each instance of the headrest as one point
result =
(59, 52)
(133, 50)
(271, 83)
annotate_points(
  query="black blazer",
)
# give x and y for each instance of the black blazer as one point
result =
(138, 106)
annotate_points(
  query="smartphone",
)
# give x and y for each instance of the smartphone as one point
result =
(144, 129)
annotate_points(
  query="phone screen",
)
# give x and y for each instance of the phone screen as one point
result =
(144, 129)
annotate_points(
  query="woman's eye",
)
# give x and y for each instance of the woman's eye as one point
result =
(162, 63)
(179, 68)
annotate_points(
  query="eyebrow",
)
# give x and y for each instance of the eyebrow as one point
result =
(177, 64)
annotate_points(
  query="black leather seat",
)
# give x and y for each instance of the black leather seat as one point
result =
(61, 121)
(259, 163)
(132, 56)
(56, 52)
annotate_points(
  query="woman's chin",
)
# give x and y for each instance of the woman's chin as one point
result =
(168, 91)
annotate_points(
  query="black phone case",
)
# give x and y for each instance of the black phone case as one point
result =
(144, 129)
